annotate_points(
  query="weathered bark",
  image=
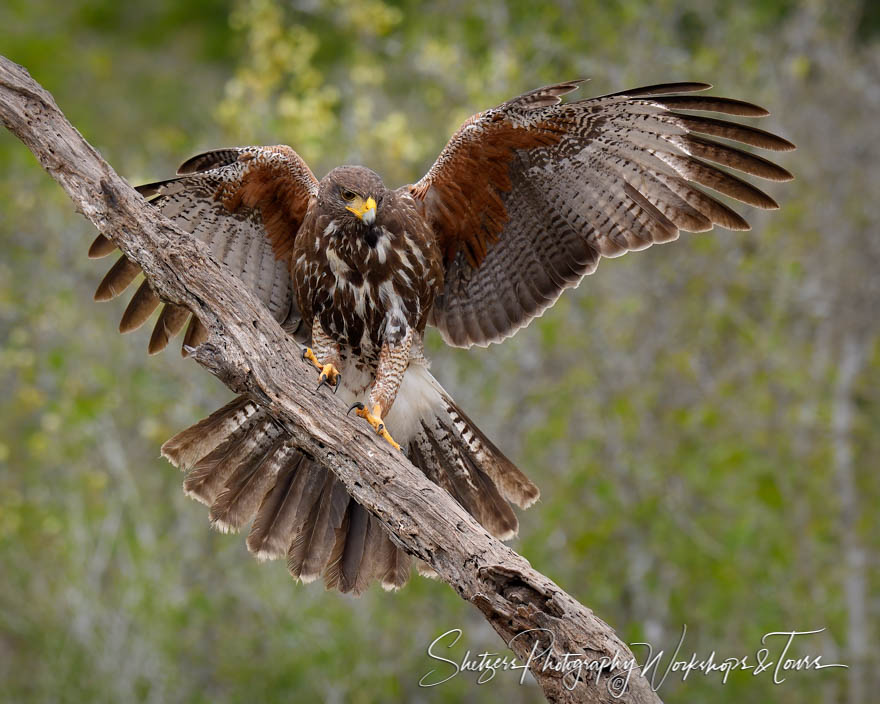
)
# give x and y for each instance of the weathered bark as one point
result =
(251, 354)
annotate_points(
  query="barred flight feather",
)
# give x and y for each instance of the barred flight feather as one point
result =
(614, 174)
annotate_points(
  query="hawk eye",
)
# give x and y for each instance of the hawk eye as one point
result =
(347, 195)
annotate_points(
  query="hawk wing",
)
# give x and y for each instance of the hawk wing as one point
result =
(247, 204)
(526, 197)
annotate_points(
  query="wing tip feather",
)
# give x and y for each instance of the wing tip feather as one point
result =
(101, 248)
(665, 89)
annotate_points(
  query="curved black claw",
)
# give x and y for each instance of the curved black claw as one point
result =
(324, 381)
(357, 405)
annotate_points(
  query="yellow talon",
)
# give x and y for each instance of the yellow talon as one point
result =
(309, 355)
(375, 420)
(330, 375)
(390, 440)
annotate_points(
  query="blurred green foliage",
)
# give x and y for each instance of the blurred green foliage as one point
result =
(701, 418)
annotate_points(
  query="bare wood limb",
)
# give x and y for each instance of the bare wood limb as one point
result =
(249, 352)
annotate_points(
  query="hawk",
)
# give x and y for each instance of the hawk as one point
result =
(521, 204)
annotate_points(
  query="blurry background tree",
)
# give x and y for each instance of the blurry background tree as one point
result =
(708, 457)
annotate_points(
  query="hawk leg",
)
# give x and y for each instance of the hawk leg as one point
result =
(393, 361)
(328, 351)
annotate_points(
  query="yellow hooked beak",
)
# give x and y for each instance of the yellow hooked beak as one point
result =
(364, 209)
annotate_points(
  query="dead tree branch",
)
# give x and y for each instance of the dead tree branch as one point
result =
(249, 352)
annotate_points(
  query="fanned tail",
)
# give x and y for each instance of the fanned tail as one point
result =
(242, 465)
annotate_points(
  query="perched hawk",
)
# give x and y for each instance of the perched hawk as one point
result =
(520, 205)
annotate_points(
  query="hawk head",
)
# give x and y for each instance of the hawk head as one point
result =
(351, 196)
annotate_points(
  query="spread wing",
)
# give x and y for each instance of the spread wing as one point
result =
(525, 198)
(247, 204)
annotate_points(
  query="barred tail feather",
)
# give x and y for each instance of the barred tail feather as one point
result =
(209, 476)
(285, 508)
(351, 565)
(514, 486)
(190, 445)
(394, 564)
(310, 550)
(243, 495)
(454, 453)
